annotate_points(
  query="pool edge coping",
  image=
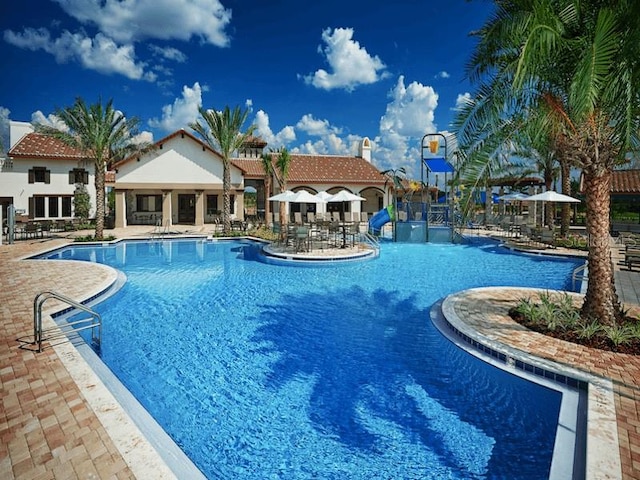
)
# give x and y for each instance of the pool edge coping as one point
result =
(601, 423)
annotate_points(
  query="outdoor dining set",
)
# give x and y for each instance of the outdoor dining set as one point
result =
(38, 229)
(319, 231)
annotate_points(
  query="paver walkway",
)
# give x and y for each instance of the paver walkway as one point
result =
(48, 429)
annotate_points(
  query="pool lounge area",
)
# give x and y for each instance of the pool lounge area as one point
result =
(50, 425)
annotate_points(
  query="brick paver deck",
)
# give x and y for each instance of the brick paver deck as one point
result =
(49, 429)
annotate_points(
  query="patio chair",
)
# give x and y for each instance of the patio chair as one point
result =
(631, 256)
(297, 218)
(548, 237)
(302, 239)
(32, 229)
(364, 217)
(335, 216)
(45, 228)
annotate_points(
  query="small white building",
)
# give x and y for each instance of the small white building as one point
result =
(40, 174)
(180, 181)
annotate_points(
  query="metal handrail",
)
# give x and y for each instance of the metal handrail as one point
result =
(370, 240)
(578, 276)
(38, 331)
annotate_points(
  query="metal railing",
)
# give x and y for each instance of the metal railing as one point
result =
(63, 330)
(579, 275)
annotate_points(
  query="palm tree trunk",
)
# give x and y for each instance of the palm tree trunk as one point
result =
(550, 208)
(226, 197)
(566, 207)
(267, 203)
(601, 300)
(99, 184)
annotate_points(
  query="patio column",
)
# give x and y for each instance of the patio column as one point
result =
(121, 209)
(167, 214)
(199, 208)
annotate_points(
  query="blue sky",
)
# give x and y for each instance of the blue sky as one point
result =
(316, 76)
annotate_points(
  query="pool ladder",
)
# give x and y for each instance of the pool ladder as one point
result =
(65, 330)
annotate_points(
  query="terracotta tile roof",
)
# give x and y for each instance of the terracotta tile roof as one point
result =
(110, 176)
(255, 142)
(625, 181)
(252, 167)
(333, 169)
(312, 169)
(38, 145)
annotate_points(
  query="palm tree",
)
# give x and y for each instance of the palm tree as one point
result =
(394, 178)
(221, 131)
(279, 168)
(267, 165)
(101, 133)
(531, 54)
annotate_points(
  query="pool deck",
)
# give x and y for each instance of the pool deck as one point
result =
(58, 421)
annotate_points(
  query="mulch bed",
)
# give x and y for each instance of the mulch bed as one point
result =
(598, 341)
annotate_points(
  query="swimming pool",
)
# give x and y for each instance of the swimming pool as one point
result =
(265, 371)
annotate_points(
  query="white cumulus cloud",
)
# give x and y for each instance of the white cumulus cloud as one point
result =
(314, 126)
(351, 64)
(442, 74)
(183, 111)
(132, 20)
(99, 53)
(409, 116)
(462, 100)
(274, 140)
(168, 53)
(51, 120)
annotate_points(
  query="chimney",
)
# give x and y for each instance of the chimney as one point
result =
(365, 149)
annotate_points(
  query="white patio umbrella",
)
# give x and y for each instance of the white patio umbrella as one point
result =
(550, 196)
(285, 196)
(514, 197)
(304, 196)
(344, 196)
(324, 196)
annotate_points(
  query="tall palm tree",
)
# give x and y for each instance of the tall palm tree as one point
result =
(267, 165)
(532, 53)
(221, 131)
(104, 135)
(277, 164)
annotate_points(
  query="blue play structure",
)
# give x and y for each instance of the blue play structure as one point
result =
(380, 219)
(424, 221)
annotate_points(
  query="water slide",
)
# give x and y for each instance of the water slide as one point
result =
(385, 215)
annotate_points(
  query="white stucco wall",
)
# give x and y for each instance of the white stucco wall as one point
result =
(179, 162)
(14, 182)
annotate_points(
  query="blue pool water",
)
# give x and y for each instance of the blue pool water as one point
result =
(296, 372)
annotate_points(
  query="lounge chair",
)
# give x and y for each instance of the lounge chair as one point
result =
(548, 237)
(632, 256)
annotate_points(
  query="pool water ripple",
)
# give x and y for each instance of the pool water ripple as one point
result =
(267, 371)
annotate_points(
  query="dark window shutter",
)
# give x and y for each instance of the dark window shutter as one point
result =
(71, 177)
(32, 176)
(47, 176)
(85, 177)
(31, 206)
